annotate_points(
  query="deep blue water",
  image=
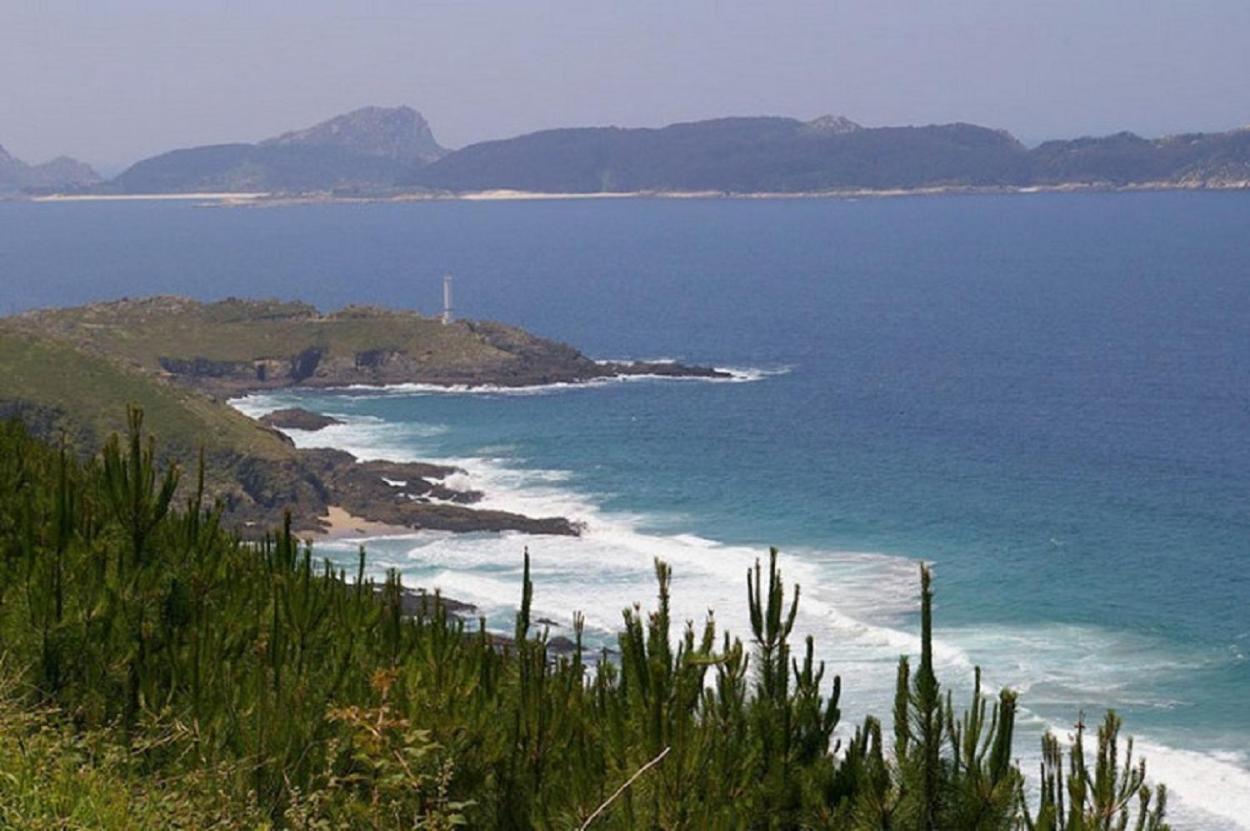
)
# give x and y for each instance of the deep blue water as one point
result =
(1048, 396)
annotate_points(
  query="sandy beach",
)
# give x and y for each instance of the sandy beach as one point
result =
(343, 525)
(224, 196)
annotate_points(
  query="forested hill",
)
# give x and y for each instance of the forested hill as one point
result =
(378, 151)
(781, 155)
(743, 155)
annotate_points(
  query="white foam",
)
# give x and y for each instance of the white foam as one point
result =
(1210, 785)
(859, 606)
(735, 375)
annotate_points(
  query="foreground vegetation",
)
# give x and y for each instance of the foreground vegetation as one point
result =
(157, 672)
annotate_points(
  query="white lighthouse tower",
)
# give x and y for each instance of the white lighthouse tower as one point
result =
(446, 299)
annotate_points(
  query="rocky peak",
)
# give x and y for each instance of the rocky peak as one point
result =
(833, 125)
(397, 133)
(61, 172)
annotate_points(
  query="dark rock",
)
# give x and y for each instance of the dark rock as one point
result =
(419, 603)
(561, 645)
(305, 364)
(297, 418)
(457, 518)
(361, 490)
(204, 368)
(376, 358)
(664, 369)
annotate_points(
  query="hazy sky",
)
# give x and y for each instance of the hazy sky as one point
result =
(111, 81)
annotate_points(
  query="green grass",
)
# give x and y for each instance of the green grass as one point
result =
(54, 777)
(143, 331)
(91, 392)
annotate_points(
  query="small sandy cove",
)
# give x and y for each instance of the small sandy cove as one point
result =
(342, 525)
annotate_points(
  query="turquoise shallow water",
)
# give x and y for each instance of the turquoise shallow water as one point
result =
(1046, 396)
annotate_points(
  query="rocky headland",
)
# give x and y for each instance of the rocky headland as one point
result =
(235, 347)
(73, 372)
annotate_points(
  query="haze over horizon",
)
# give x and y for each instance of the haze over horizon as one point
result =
(113, 81)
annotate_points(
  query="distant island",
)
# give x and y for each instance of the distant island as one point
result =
(71, 373)
(389, 153)
(61, 174)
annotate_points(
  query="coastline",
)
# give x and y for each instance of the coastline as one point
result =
(453, 509)
(343, 525)
(481, 572)
(221, 196)
(265, 199)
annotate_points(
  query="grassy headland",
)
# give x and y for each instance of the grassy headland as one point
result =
(237, 346)
(70, 373)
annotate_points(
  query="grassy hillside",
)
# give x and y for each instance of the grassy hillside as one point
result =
(60, 389)
(86, 395)
(235, 346)
(143, 331)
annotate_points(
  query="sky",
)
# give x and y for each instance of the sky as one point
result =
(113, 81)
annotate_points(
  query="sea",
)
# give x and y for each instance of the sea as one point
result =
(1046, 397)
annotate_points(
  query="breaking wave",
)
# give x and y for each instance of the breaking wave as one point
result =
(859, 606)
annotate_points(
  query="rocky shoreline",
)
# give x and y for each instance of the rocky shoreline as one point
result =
(530, 362)
(412, 495)
(185, 359)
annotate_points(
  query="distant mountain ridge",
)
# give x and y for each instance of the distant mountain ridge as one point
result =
(736, 155)
(380, 151)
(62, 173)
(372, 147)
(782, 155)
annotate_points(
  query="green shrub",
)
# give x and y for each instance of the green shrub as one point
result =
(163, 673)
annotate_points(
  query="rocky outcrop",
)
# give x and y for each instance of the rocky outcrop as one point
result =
(400, 134)
(412, 495)
(235, 347)
(832, 125)
(516, 359)
(168, 352)
(297, 418)
(665, 369)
